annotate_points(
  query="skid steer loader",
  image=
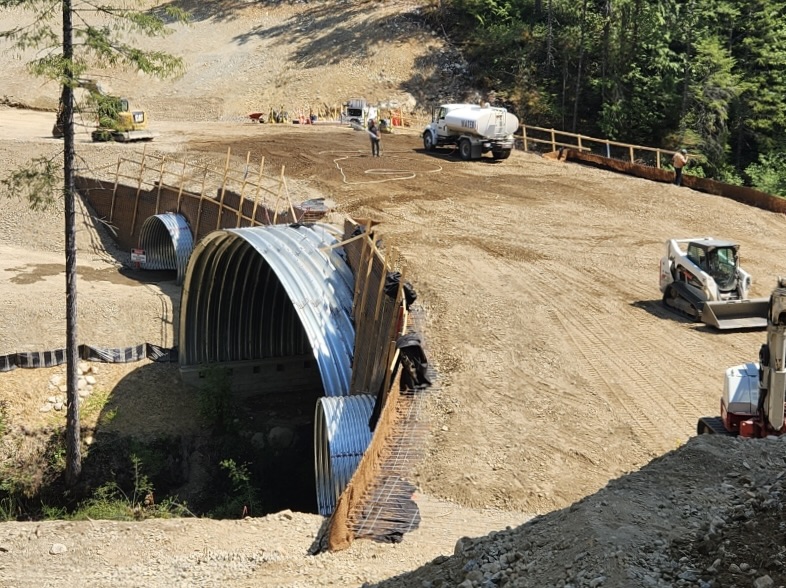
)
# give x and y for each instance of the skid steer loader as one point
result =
(702, 279)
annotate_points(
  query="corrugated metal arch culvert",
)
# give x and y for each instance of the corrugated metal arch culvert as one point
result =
(167, 242)
(341, 436)
(270, 271)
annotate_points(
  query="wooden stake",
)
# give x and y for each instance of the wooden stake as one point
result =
(160, 182)
(278, 195)
(199, 210)
(243, 189)
(182, 181)
(291, 208)
(223, 189)
(114, 190)
(364, 293)
(256, 197)
(138, 189)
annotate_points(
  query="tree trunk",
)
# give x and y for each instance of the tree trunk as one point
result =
(578, 68)
(73, 441)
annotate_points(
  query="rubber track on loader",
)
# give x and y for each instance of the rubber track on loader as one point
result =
(686, 295)
(712, 425)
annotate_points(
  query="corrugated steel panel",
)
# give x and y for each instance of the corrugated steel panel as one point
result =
(270, 291)
(341, 436)
(167, 242)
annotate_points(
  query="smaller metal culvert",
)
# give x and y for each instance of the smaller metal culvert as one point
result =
(167, 242)
(341, 436)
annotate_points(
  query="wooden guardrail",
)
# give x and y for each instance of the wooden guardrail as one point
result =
(555, 140)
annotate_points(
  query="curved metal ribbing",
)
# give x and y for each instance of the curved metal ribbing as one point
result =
(341, 436)
(167, 242)
(271, 291)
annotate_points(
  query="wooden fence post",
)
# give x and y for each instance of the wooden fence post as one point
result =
(553, 141)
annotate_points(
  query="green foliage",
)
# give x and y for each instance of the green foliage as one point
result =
(639, 72)
(100, 34)
(769, 173)
(100, 40)
(243, 499)
(215, 399)
(109, 502)
(38, 181)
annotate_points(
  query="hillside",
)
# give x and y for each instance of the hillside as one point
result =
(566, 393)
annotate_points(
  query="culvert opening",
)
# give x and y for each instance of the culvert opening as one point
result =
(167, 242)
(270, 308)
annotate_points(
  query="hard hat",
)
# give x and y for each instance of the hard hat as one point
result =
(683, 151)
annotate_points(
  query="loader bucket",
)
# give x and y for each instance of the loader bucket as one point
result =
(736, 314)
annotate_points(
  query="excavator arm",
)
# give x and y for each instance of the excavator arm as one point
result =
(772, 362)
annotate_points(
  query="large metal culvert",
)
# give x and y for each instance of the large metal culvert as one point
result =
(269, 292)
(167, 242)
(341, 436)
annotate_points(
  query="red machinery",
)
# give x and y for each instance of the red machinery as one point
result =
(754, 393)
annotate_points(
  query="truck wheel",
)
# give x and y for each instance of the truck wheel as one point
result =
(501, 154)
(465, 149)
(428, 142)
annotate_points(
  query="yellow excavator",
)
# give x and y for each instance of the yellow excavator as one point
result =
(116, 121)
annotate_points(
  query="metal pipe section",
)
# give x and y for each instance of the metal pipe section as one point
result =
(266, 292)
(341, 436)
(167, 242)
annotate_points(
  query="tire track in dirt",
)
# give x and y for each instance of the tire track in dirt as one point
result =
(596, 352)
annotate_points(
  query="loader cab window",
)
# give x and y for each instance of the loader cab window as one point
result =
(723, 266)
(698, 255)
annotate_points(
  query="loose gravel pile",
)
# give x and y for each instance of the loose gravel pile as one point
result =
(707, 515)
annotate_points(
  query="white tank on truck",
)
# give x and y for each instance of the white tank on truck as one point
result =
(472, 129)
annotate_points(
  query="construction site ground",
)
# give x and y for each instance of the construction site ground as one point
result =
(559, 370)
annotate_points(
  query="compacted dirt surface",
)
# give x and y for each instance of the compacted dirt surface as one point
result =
(565, 391)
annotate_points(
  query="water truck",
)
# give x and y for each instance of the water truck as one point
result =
(472, 129)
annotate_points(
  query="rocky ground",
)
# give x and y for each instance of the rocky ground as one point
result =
(566, 392)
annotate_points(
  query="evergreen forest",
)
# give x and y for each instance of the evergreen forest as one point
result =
(708, 75)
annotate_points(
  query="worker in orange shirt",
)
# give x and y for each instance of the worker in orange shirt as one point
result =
(679, 161)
